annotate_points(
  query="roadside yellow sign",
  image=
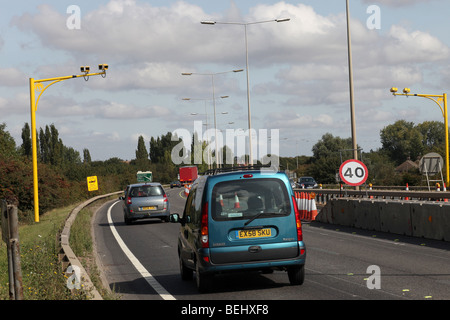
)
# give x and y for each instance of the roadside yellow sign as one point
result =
(92, 183)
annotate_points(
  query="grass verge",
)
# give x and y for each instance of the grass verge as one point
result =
(82, 245)
(42, 274)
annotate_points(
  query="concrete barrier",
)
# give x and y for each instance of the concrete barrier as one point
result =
(395, 217)
(368, 215)
(429, 220)
(344, 213)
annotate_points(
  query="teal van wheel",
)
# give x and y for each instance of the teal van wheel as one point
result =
(204, 281)
(186, 273)
(296, 275)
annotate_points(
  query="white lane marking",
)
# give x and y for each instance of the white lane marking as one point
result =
(163, 293)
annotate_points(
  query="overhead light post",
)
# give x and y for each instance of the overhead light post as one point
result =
(214, 101)
(37, 85)
(207, 122)
(437, 98)
(247, 70)
(350, 77)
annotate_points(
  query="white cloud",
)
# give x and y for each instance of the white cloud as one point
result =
(3, 104)
(292, 120)
(396, 3)
(122, 29)
(135, 137)
(115, 110)
(149, 45)
(298, 69)
(10, 77)
(107, 137)
(417, 46)
(18, 104)
(143, 33)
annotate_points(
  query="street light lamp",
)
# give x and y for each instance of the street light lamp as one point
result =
(37, 85)
(245, 24)
(214, 100)
(437, 98)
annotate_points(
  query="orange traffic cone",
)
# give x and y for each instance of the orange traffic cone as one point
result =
(309, 201)
(407, 189)
(236, 201)
(302, 208)
(313, 209)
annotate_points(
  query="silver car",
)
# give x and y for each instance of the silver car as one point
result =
(145, 200)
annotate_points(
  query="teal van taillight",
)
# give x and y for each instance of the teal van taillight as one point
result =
(204, 226)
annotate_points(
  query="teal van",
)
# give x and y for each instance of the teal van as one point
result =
(237, 221)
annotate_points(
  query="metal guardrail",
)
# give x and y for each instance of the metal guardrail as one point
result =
(324, 195)
(68, 258)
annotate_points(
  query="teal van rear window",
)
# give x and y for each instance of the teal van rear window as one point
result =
(243, 199)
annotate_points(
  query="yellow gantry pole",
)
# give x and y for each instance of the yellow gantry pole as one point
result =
(436, 98)
(446, 140)
(37, 85)
(34, 150)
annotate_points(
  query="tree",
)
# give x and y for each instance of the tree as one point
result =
(141, 152)
(433, 134)
(26, 140)
(330, 145)
(142, 160)
(56, 147)
(7, 143)
(402, 140)
(381, 169)
(86, 156)
(327, 157)
(44, 139)
(70, 156)
(155, 149)
(160, 145)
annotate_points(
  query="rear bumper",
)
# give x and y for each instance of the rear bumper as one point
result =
(148, 215)
(206, 265)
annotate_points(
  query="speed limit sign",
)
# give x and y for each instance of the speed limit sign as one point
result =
(353, 172)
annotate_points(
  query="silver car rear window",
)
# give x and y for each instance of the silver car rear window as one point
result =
(146, 191)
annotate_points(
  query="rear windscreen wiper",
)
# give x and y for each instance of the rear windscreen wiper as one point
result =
(253, 218)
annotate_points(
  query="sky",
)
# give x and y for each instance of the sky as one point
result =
(298, 70)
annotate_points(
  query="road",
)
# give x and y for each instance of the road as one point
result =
(140, 262)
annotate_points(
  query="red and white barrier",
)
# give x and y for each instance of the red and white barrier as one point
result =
(306, 206)
(187, 189)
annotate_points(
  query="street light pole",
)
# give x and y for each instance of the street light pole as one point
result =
(250, 135)
(38, 85)
(350, 74)
(214, 103)
(437, 98)
(247, 71)
(206, 113)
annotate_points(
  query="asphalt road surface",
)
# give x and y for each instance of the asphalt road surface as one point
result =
(140, 262)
